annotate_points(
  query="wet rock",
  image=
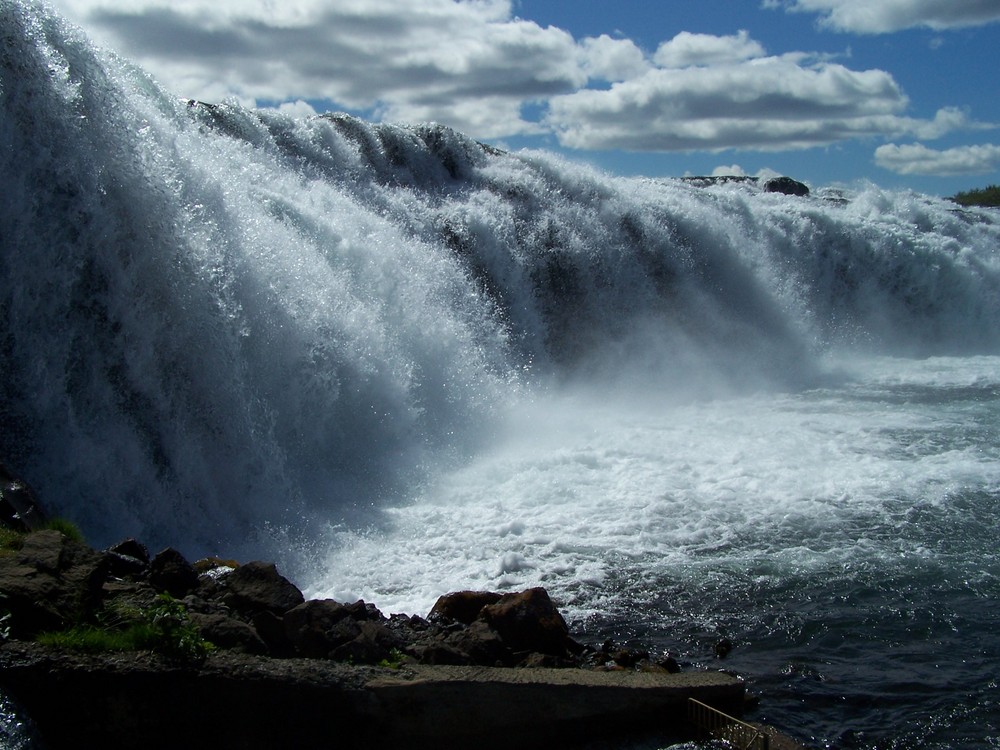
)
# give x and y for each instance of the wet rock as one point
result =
(528, 621)
(462, 606)
(131, 548)
(258, 587)
(127, 559)
(171, 573)
(785, 185)
(723, 648)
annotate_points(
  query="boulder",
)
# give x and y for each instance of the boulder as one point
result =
(170, 572)
(316, 627)
(528, 621)
(373, 643)
(51, 583)
(258, 587)
(481, 645)
(462, 606)
(228, 633)
(131, 548)
(128, 559)
(785, 185)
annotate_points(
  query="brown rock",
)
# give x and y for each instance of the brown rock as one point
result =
(462, 606)
(528, 621)
(228, 633)
(258, 587)
(52, 582)
(373, 643)
(318, 626)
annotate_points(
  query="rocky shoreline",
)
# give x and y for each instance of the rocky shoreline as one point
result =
(120, 648)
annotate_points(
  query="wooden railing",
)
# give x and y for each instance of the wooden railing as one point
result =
(712, 723)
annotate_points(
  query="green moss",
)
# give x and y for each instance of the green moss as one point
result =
(988, 196)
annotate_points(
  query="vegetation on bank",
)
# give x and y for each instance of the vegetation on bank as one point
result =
(11, 539)
(988, 196)
(164, 628)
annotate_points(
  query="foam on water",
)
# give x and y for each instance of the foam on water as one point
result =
(577, 492)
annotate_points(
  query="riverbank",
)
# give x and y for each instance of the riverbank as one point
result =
(118, 648)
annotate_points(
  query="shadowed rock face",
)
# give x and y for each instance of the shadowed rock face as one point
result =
(52, 582)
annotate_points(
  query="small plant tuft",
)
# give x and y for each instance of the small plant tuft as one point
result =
(164, 628)
(66, 528)
(394, 660)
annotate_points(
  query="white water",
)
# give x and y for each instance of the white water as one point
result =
(402, 363)
(578, 494)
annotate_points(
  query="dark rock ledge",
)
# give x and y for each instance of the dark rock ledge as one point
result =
(482, 669)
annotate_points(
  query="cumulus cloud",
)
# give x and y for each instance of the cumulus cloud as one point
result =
(423, 60)
(611, 59)
(771, 103)
(885, 16)
(687, 49)
(917, 159)
(473, 65)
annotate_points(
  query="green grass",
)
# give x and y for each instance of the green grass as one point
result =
(163, 628)
(988, 196)
(66, 528)
(90, 639)
(10, 540)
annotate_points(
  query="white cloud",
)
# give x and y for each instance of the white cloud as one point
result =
(298, 109)
(734, 170)
(612, 59)
(472, 65)
(772, 103)
(884, 16)
(918, 159)
(687, 49)
(425, 60)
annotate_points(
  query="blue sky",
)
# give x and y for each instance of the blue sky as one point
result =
(900, 92)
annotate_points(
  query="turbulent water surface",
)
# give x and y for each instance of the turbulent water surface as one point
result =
(401, 362)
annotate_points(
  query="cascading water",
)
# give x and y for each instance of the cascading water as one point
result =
(402, 362)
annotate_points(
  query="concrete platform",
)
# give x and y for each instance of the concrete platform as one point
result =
(233, 701)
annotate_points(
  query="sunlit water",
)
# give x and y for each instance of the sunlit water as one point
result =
(400, 363)
(843, 537)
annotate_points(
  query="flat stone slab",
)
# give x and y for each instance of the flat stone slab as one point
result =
(545, 705)
(236, 701)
